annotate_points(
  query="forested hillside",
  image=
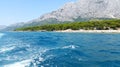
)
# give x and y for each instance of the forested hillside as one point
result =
(89, 25)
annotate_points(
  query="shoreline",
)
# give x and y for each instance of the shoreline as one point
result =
(77, 31)
(90, 31)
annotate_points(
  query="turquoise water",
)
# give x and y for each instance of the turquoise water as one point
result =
(51, 49)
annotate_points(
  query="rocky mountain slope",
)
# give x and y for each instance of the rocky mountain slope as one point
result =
(77, 11)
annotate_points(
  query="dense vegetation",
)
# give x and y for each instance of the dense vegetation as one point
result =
(89, 25)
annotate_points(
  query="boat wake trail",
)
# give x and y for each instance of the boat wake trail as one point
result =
(43, 57)
(5, 49)
(19, 64)
(46, 56)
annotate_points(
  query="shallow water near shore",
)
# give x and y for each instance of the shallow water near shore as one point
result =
(55, 49)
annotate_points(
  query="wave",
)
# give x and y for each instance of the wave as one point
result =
(1, 35)
(38, 58)
(5, 49)
(24, 63)
(46, 55)
(19, 49)
(70, 46)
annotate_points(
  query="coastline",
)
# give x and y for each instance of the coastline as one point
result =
(77, 31)
(90, 31)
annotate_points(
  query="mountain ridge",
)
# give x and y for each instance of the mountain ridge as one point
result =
(82, 9)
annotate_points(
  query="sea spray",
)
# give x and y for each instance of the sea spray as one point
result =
(23, 63)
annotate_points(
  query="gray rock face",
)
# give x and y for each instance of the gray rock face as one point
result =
(80, 9)
(86, 9)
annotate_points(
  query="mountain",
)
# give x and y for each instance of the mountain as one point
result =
(80, 10)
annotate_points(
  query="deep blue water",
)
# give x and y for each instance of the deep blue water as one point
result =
(51, 49)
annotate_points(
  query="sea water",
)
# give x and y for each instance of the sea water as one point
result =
(51, 49)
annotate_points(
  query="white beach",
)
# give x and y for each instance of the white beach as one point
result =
(90, 31)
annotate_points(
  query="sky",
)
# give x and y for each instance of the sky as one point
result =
(16, 11)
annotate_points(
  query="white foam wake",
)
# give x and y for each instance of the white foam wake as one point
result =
(23, 63)
(5, 49)
(70, 46)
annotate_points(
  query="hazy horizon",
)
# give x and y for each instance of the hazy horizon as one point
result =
(14, 11)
